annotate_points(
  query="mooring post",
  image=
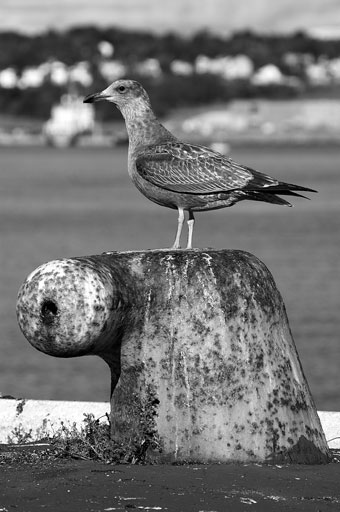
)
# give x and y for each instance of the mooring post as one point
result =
(203, 363)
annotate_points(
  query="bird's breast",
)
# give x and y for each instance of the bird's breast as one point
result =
(154, 193)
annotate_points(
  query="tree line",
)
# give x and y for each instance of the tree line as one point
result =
(81, 44)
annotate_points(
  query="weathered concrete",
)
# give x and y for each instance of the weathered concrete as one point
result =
(37, 420)
(200, 344)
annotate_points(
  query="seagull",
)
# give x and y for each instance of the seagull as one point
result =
(183, 176)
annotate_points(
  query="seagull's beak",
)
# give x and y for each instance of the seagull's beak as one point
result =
(97, 96)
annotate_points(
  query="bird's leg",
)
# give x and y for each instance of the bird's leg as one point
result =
(191, 222)
(179, 228)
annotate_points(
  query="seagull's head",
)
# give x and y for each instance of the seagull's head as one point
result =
(127, 95)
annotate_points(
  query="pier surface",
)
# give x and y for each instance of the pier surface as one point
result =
(89, 486)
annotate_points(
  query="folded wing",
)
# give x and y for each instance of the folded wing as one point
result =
(193, 169)
(190, 169)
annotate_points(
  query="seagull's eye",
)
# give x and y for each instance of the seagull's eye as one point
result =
(121, 88)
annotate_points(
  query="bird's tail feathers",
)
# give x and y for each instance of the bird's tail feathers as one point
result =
(269, 185)
(285, 192)
(267, 198)
(291, 186)
(287, 189)
(270, 192)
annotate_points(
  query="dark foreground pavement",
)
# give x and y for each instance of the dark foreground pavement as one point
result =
(72, 486)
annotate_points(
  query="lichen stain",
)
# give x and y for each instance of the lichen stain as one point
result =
(20, 407)
(303, 451)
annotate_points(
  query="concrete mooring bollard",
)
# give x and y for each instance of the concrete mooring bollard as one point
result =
(203, 364)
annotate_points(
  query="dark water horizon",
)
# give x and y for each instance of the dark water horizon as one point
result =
(80, 201)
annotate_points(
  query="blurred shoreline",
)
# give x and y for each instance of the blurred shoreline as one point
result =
(24, 140)
(261, 122)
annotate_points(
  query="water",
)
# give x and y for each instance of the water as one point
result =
(76, 202)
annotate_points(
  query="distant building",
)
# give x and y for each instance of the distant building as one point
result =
(334, 69)
(323, 71)
(54, 71)
(31, 77)
(238, 67)
(8, 78)
(149, 67)
(297, 61)
(317, 73)
(268, 75)
(229, 67)
(106, 49)
(272, 75)
(59, 74)
(69, 119)
(81, 74)
(111, 70)
(181, 67)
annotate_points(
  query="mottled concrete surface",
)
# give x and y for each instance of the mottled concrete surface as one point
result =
(69, 486)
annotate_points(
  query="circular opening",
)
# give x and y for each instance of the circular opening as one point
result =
(49, 310)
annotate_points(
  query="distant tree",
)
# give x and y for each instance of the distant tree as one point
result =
(31, 102)
(132, 47)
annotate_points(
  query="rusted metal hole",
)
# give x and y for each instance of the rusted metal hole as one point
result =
(49, 311)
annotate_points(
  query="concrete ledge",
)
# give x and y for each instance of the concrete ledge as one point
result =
(330, 421)
(42, 418)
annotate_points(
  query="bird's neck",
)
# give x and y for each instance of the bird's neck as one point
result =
(144, 128)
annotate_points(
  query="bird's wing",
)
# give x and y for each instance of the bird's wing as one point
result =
(193, 169)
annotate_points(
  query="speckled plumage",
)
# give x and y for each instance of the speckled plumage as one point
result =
(179, 175)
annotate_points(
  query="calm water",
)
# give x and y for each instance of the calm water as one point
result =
(76, 202)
